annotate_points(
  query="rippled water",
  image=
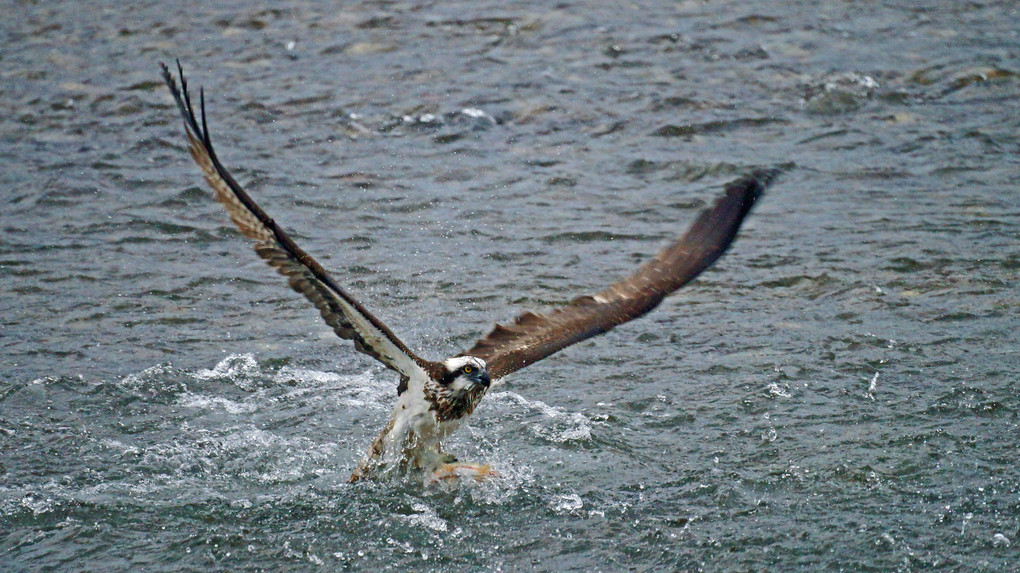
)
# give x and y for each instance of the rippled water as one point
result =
(838, 393)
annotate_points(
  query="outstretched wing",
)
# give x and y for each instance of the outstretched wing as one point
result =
(532, 336)
(339, 309)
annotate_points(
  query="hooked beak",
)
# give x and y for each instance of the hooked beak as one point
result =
(482, 379)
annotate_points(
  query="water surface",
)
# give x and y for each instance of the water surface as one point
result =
(838, 393)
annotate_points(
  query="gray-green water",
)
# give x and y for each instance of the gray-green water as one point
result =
(838, 393)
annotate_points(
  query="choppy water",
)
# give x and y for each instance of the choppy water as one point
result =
(838, 393)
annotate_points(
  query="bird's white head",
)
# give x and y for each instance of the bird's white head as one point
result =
(465, 373)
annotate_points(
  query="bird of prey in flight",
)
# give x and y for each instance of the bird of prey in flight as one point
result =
(434, 397)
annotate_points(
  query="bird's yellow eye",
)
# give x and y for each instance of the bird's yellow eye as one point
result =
(469, 369)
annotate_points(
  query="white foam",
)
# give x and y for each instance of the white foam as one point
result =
(566, 426)
(189, 400)
(152, 379)
(427, 517)
(564, 503)
(231, 368)
(777, 391)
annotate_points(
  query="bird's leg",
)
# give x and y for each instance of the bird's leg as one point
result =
(374, 455)
(426, 456)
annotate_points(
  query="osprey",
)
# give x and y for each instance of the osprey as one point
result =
(434, 397)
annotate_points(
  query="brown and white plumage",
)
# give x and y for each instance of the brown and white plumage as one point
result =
(434, 397)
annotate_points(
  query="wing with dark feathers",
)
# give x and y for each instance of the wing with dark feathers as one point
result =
(532, 336)
(348, 318)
